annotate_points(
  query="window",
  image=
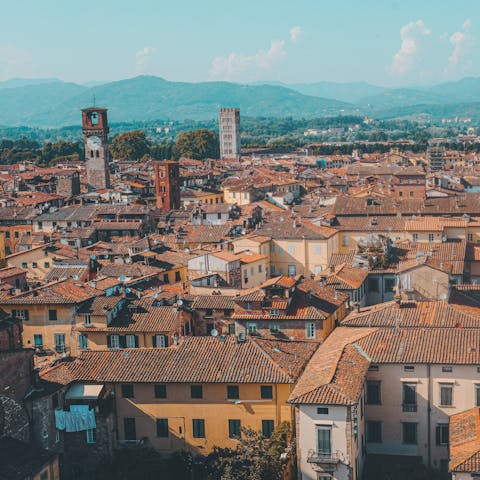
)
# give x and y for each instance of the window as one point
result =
(52, 315)
(374, 432)
(267, 428)
(477, 395)
(178, 277)
(59, 341)
(91, 435)
(24, 265)
(292, 270)
(231, 329)
(34, 265)
(291, 249)
(37, 340)
(227, 313)
(408, 368)
(345, 241)
(373, 285)
(318, 249)
(196, 391)
(259, 269)
(198, 425)
(442, 435)
(431, 237)
(160, 341)
(389, 284)
(272, 248)
(409, 433)
(373, 368)
(162, 427)
(234, 428)
(409, 395)
(266, 391)
(82, 341)
(165, 278)
(113, 341)
(324, 440)
(233, 392)
(23, 314)
(415, 237)
(127, 391)
(47, 264)
(447, 369)
(129, 428)
(131, 341)
(470, 237)
(87, 320)
(7, 234)
(310, 330)
(160, 391)
(248, 306)
(446, 395)
(252, 328)
(322, 410)
(274, 312)
(374, 396)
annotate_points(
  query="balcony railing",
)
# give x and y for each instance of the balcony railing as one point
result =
(409, 407)
(322, 458)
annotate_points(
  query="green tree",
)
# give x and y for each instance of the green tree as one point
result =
(130, 146)
(197, 144)
(255, 457)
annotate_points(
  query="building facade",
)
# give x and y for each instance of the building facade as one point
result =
(229, 127)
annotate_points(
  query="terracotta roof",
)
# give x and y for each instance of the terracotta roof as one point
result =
(62, 292)
(465, 441)
(142, 316)
(196, 360)
(412, 314)
(217, 302)
(335, 374)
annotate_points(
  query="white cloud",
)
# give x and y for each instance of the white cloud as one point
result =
(142, 58)
(236, 64)
(406, 58)
(295, 33)
(461, 42)
(14, 62)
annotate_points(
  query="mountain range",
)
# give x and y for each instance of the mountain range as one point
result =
(53, 103)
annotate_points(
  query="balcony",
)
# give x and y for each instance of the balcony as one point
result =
(323, 461)
(409, 407)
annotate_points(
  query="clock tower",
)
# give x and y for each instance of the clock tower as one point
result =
(95, 135)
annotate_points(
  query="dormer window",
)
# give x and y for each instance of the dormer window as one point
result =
(87, 319)
(248, 306)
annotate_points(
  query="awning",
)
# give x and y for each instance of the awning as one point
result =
(84, 391)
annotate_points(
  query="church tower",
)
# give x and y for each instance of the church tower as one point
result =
(95, 135)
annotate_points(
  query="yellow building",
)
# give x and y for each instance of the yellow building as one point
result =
(297, 246)
(114, 322)
(196, 197)
(48, 314)
(200, 393)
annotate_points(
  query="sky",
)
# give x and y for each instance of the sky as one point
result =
(384, 42)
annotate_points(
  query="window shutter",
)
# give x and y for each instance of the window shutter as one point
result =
(437, 434)
(154, 341)
(122, 341)
(165, 337)
(136, 341)
(109, 341)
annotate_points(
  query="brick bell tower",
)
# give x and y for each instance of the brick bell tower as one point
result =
(95, 135)
(167, 185)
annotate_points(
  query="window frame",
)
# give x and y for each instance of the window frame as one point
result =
(198, 389)
(162, 430)
(160, 390)
(124, 390)
(198, 427)
(233, 392)
(234, 428)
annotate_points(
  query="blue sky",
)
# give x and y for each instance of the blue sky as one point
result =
(389, 42)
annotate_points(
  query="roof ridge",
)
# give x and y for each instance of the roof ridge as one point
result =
(267, 355)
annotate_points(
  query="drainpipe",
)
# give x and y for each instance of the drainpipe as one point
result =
(429, 420)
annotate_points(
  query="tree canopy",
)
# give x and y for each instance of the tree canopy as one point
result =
(130, 146)
(197, 144)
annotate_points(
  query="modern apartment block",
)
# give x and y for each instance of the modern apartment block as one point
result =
(229, 128)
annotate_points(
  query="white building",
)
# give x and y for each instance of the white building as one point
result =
(229, 130)
(386, 387)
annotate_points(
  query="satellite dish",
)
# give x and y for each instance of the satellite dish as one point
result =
(155, 296)
(180, 303)
(214, 332)
(75, 277)
(443, 296)
(127, 290)
(122, 278)
(93, 257)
